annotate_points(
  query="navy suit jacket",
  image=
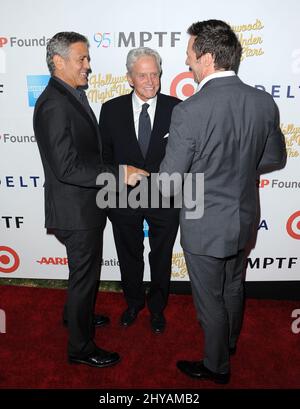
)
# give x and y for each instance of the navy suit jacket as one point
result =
(69, 142)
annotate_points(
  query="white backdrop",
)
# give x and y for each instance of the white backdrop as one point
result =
(269, 32)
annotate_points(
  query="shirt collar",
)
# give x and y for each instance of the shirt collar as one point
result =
(75, 91)
(138, 102)
(219, 74)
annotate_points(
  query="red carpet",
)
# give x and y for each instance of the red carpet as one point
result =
(33, 349)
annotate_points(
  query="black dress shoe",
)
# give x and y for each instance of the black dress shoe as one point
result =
(99, 321)
(129, 316)
(158, 322)
(100, 359)
(196, 369)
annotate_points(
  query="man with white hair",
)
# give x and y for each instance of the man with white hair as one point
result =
(135, 129)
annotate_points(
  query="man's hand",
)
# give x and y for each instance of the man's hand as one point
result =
(133, 175)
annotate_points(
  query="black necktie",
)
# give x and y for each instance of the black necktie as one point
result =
(144, 129)
(84, 100)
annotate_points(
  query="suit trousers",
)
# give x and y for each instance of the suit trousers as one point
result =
(218, 293)
(129, 239)
(84, 251)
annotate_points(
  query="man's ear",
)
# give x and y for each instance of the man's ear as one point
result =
(208, 60)
(129, 79)
(59, 62)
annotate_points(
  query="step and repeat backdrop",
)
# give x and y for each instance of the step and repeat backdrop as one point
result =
(269, 33)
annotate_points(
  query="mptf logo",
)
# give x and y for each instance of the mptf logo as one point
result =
(9, 260)
(136, 39)
(183, 85)
(293, 225)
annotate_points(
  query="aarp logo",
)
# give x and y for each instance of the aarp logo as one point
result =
(183, 86)
(293, 225)
(9, 260)
(3, 41)
(262, 183)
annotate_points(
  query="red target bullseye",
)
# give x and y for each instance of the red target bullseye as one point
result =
(183, 85)
(9, 260)
(293, 225)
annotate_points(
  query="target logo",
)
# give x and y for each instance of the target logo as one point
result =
(293, 225)
(183, 85)
(9, 260)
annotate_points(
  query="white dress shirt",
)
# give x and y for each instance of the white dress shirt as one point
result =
(218, 74)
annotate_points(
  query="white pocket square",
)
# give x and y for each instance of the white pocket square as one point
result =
(166, 135)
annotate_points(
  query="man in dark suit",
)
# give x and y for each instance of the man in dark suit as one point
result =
(135, 130)
(229, 132)
(68, 138)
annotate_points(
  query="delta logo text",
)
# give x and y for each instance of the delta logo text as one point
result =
(23, 42)
(136, 39)
(6, 137)
(20, 182)
(278, 184)
(293, 225)
(9, 260)
(263, 225)
(183, 85)
(35, 86)
(280, 91)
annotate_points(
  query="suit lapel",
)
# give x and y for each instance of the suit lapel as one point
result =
(74, 101)
(80, 108)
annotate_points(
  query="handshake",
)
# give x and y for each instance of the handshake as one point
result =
(133, 175)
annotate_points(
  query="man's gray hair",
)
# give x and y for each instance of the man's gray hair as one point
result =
(60, 45)
(137, 53)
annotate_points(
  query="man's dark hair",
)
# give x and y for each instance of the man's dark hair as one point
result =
(60, 44)
(217, 38)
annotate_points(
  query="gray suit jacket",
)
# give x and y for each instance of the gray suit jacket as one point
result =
(230, 132)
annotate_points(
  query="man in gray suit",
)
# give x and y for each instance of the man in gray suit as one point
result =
(230, 132)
